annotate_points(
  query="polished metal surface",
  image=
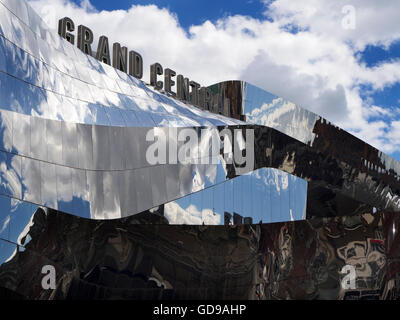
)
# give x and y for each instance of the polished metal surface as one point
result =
(362, 172)
(264, 196)
(75, 135)
(129, 259)
(64, 113)
(68, 109)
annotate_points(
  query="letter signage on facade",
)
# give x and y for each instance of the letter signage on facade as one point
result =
(131, 62)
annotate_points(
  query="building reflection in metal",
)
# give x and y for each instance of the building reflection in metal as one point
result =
(74, 179)
(263, 108)
(74, 128)
(351, 164)
(128, 259)
(262, 196)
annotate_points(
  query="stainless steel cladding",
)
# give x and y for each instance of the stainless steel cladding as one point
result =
(90, 128)
(135, 68)
(82, 141)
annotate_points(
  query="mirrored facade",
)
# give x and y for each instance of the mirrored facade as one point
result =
(262, 196)
(73, 129)
(235, 207)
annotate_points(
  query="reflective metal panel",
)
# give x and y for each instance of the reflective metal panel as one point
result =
(80, 194)
(31, 180)
(13, 176)
(7, 251)
(96, 194)
(158, 185)
(73, 139)
(245, 199)
(21, 220)
(8, 85)
(49, 185)
(101, 147)
(111, 191)
(128, 195)
(5, 217)
(117, 146)
(144, 194)
(172, 181)
(61, 107)
(54, 141)
(85, 146)
(6, 123)
(69, 144)
(21, 134)
(38, 137)
(131, 150)
(19, 8)
(263, 108)
(64, 189)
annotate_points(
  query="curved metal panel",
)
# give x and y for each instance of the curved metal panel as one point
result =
(63, 107)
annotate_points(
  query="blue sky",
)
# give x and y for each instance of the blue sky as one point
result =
(372, 56)
(389, 97)
(194, 12)
(191, 12)
(298, 50)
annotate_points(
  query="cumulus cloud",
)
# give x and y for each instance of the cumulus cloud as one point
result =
(190, 215)
(279, 113)
(301, 52)
(376, 22)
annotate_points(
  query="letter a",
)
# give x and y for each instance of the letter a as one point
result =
(49, 280)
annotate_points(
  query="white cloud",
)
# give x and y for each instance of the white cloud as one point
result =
(191, 215)
(376, 22)
(279, 113)
(317, 67)
(5, 224)
(394, 133)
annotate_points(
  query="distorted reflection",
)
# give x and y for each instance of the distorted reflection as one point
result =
(7, 251)
(261, 107)
(264, 195)
(73, 140)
